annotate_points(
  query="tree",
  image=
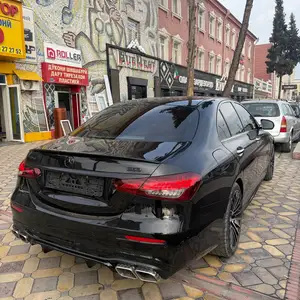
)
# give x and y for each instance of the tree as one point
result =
(191, 48)
(239, 48)
(293, 44)
(278, 58)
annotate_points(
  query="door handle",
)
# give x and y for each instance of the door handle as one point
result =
(240, 151)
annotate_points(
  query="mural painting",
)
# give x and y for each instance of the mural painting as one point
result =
(89, 25)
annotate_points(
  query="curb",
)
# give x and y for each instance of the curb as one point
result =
(296, 152)
(293, 284)
(220, 288)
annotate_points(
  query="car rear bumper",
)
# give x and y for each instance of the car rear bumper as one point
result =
(108, 246)
(282, 138)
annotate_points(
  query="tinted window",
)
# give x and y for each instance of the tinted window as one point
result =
(296, 109)
(230, 116)
(290, 110)
(223, 130)
(247, 120)
(262, 109)
(142, 122)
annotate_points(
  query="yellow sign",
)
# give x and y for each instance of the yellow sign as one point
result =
(12, 43)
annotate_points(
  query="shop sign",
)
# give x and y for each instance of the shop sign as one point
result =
(289, 87)
(11, 29)
(62, 55)
(135, 61)
(53, 73)
(30, 46)
(174, 76)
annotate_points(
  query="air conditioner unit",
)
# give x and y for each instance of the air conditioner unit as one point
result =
(29, 85)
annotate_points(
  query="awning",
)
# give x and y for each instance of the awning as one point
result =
(7, 68)
(27, 75)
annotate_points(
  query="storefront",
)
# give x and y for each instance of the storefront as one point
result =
(16, 81)
(133, 74)
(173, 82)
(65, 83)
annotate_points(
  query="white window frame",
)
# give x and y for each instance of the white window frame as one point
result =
(212, 24)
(164, 34)
(177, 40)
(137, 31)
(178, 13)
(228, 35)
(201, 9)
(249, 50)
(219, 65)
(242, 75)
(227, 67)
(211, 58)
(233, 39)
(163, 4)
(201, 53)
(220, 30)
(249, 76)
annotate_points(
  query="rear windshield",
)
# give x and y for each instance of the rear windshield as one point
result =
(263, 109)
(126, 121)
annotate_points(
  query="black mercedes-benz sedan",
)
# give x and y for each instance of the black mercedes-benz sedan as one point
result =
(145, 185)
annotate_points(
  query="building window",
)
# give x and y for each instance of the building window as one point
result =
(227, 34)
(176, 7)
(176, 52)
(249, 50)
(211, 65)
(201, 18)
(233, 41)
(201, 59)
(219, 65)
(163, 3)
(249, 76)
(226, 67)
(212, 25)
(242, 74)
(133, 28)
(163, 48)
(219, 30)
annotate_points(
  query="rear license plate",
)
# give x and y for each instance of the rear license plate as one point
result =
(77, 184)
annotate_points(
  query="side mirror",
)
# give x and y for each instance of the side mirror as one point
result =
(267, 124)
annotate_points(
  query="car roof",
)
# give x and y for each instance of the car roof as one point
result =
(179, 100)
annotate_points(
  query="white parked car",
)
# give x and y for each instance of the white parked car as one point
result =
(287, 122)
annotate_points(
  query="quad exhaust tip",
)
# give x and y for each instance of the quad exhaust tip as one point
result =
(143, 274)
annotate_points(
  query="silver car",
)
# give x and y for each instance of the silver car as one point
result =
(287, 123)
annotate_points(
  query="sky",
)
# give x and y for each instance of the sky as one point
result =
(261, 21)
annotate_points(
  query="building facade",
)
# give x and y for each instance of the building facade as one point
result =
(216, 38)
(86, 55)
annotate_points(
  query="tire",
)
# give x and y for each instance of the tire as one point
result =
(232, 222)
(287, 147)
(270, 170)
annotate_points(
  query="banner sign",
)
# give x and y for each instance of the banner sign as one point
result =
(11, 30)
(56, 54)
(60, 74)
(30, 46)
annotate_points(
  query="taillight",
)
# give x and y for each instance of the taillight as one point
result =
(144, 240)
(283, 127)
(180, 187)
(28, 172)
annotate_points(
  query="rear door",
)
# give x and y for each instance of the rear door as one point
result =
(294, 122)
(243, 146)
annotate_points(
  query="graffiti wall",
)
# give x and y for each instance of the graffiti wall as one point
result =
(89, 25)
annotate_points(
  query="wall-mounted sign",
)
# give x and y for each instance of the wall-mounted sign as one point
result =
(174, 76)
(60, 74)
(11, 29)
(289, 87)
(67, 56)
(30, 46)
(135, 61)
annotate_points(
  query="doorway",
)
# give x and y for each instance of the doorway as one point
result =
(63, 100)
(137, 88)
(11, 121)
